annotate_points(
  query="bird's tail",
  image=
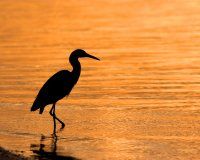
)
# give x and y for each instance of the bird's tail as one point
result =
(37, 105)
(41, 110)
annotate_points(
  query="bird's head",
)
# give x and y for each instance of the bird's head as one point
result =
(79, 53)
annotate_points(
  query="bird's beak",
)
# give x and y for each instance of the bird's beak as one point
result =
(93, 57)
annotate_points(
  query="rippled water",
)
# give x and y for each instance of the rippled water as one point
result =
(141, 101)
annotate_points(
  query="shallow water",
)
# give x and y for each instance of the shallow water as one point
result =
(141, 101)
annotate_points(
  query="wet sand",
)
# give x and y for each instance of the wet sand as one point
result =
(7, 155)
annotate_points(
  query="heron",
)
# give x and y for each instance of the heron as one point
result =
(60, 85)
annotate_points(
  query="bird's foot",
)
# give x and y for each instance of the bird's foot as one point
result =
(63, 126)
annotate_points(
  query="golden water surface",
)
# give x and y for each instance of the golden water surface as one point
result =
(140, 102)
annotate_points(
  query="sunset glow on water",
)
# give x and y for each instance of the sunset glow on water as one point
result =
(140, 102)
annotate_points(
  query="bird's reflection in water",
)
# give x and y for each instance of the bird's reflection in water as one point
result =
(41, 153)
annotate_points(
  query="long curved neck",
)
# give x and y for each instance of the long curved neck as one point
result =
(76, 66)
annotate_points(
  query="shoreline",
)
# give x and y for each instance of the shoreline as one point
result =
(8, 155)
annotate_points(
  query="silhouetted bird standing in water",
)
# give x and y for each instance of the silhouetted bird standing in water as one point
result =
(60, 85)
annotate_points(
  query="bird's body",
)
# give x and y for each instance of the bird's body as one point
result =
(59, 85)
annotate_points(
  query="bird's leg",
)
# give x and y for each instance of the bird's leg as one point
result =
(62, 123)
(52, 113)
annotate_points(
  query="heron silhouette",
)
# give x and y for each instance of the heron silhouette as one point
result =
(60, 85)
